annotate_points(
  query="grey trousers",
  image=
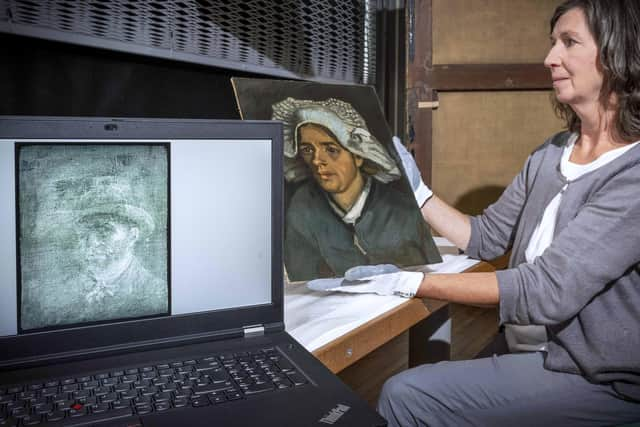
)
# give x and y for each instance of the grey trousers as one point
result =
(507, 390)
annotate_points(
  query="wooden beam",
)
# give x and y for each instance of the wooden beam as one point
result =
(419, 53)
(490, 77)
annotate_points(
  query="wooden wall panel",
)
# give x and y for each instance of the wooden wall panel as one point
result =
(491, 31)
(484, 59)
(481, 140)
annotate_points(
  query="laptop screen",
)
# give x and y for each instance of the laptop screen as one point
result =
(165, 223)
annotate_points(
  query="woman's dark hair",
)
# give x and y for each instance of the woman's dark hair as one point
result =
(615, 26)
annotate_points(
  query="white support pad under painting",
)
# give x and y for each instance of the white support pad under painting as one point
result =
(315, 319)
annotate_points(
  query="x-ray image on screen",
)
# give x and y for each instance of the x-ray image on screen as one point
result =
(93, 235)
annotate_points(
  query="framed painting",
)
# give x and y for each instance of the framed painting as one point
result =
(348, 201)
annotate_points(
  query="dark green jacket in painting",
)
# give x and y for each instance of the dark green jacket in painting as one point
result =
(390, 230)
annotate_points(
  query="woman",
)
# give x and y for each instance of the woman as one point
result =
(348, 213)
(571, 220)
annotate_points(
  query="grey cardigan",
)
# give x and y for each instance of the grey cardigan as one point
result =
(585, 288)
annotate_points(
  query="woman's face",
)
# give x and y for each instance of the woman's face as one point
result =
(573, 60)
(333, 167)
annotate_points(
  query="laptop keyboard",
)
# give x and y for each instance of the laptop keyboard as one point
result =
(200, 382)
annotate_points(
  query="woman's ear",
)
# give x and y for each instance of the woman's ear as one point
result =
(358, 160)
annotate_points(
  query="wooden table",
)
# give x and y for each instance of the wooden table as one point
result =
(369, 354)
(348, 349)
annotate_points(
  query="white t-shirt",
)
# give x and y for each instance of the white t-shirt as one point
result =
(543, 234)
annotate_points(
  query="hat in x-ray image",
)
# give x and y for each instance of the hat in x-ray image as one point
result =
(113, 198)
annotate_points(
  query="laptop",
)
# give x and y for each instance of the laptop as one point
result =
(141, 279)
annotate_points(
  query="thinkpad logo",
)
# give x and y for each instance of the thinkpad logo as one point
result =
(335, 414)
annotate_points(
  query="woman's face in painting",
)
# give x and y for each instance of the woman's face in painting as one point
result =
(334, 168)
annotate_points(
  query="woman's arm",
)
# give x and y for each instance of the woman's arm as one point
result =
(447, 221)
(598, 247)
(493, 230)
(479, 289)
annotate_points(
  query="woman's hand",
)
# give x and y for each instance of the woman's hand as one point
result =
(446, 220)
(384, 279)
(421, 192)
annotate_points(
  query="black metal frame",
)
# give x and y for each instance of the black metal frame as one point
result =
(391, 64)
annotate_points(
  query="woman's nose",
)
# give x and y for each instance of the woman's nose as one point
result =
(318, 158)
(552, 59)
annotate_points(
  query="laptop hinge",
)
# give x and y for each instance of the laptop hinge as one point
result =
(253, 330)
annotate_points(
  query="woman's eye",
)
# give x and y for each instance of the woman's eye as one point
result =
(331, 149)
(569, 42)
(305, 151)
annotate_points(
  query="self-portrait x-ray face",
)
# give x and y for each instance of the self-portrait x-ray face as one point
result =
(105, 242)
(109, 224)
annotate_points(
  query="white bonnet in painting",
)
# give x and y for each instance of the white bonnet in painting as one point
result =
(347, 126)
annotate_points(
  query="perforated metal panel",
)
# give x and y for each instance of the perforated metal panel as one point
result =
(331, 40)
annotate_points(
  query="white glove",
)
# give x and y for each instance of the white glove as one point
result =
(383, 279)
(421, 192)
